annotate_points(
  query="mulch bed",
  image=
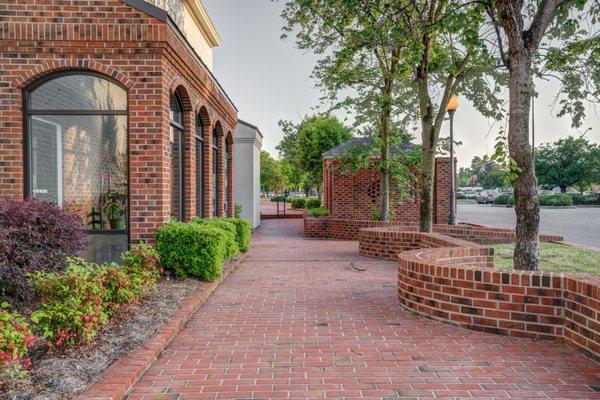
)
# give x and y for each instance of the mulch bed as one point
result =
(62, 376)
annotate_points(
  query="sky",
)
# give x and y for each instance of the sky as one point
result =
(268, 79)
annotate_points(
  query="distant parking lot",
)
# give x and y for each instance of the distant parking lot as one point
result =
(577, 225)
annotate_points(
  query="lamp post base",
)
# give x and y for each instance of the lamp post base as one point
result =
(452, 220)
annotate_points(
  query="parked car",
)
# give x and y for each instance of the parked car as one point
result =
(471, 194)
(487, 197)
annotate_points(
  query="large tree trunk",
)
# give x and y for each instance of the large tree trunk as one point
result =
(426, 184)
(527, 207)
(385, 171)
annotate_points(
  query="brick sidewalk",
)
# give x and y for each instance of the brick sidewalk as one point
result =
(300, 319)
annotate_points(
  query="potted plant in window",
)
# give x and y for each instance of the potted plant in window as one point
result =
(114, 203)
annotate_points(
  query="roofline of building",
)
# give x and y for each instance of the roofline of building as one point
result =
(164, 16)
(205, 22)
(249, 125)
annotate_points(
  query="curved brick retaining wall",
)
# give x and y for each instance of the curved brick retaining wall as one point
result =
(348, 229)
(387, 242)
(460, 286)
(453, 280)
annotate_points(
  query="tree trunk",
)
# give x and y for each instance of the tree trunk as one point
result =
(426, 183)
(385, 171)
(527, 207)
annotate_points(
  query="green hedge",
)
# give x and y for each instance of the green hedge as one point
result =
(579, 199)
(313, 203)
(280, 198)
(191, 249)
(319, 212)
(504, 199)
(556, 200)
(298, 202)
(231, 244)
(242, 231)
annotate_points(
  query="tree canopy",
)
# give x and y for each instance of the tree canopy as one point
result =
(568, 162)
(271, 173)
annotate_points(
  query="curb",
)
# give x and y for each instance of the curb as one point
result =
(114, 383)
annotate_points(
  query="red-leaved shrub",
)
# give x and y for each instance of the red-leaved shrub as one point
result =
(34, 236)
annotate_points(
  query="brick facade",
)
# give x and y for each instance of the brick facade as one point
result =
(354, 196)
(151, 60)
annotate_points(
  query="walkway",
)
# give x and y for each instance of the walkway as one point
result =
(310, 319)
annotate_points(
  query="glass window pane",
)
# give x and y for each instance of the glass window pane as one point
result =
(200, 128)
(200, 178)
(78, 92)
(80, 162)
(176, 110)
(215, 194)
(176, 174)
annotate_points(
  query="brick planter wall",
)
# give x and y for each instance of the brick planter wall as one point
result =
(340, 228)
(459, 285)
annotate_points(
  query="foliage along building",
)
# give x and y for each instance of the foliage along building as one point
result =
(357, 196)
(110, 109)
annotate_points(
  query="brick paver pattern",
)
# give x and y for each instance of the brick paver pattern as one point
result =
(311, 319)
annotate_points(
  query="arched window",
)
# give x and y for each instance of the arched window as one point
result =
(176, 122)
(199, 166)
(76, 154)
(215, 172)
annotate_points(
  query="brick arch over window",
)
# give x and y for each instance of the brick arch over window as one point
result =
(54, 66)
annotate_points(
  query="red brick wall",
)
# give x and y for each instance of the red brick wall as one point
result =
(143, 54)
(454, 281)
(353, 196)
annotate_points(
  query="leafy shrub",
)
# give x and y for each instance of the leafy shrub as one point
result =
(556, 200)
(15, 339)
(280, 198)
(243, 233)
(35, 236)
(237, 211)
(504, 199)
(298, 202)
(191, 249)
(319, 212)
(313, 203)
(141, 264)
(375, 214)
(72, 304)
(231, 245)
(579, 199)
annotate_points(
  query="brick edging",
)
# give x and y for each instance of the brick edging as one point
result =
(114, 383)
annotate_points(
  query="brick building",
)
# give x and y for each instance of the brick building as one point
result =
(354, 196)
(114, 101)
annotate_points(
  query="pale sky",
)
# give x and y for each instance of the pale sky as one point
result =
(268, 79)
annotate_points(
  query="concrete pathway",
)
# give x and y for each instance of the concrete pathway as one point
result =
(311, 319)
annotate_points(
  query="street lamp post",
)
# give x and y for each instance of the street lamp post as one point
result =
(451, 108)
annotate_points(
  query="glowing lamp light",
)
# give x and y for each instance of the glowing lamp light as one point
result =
(452, 103)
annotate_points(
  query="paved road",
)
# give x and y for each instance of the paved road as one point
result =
(296, 320)
(577, 225)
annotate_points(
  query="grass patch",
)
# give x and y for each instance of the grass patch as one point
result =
(554, 257)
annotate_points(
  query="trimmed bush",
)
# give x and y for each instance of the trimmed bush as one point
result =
(579, 199)
(558, 200)
(504, 199)
(280, 198)
(319, 212)
(35, 236)
(243, 233)
(191, 249)
(231, 244)
(313, 203)
(15, 340)
(298, 202)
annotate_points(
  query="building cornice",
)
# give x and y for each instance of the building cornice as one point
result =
(203, 21)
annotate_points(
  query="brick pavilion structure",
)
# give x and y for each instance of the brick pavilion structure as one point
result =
(353, 196)
(115, 99)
